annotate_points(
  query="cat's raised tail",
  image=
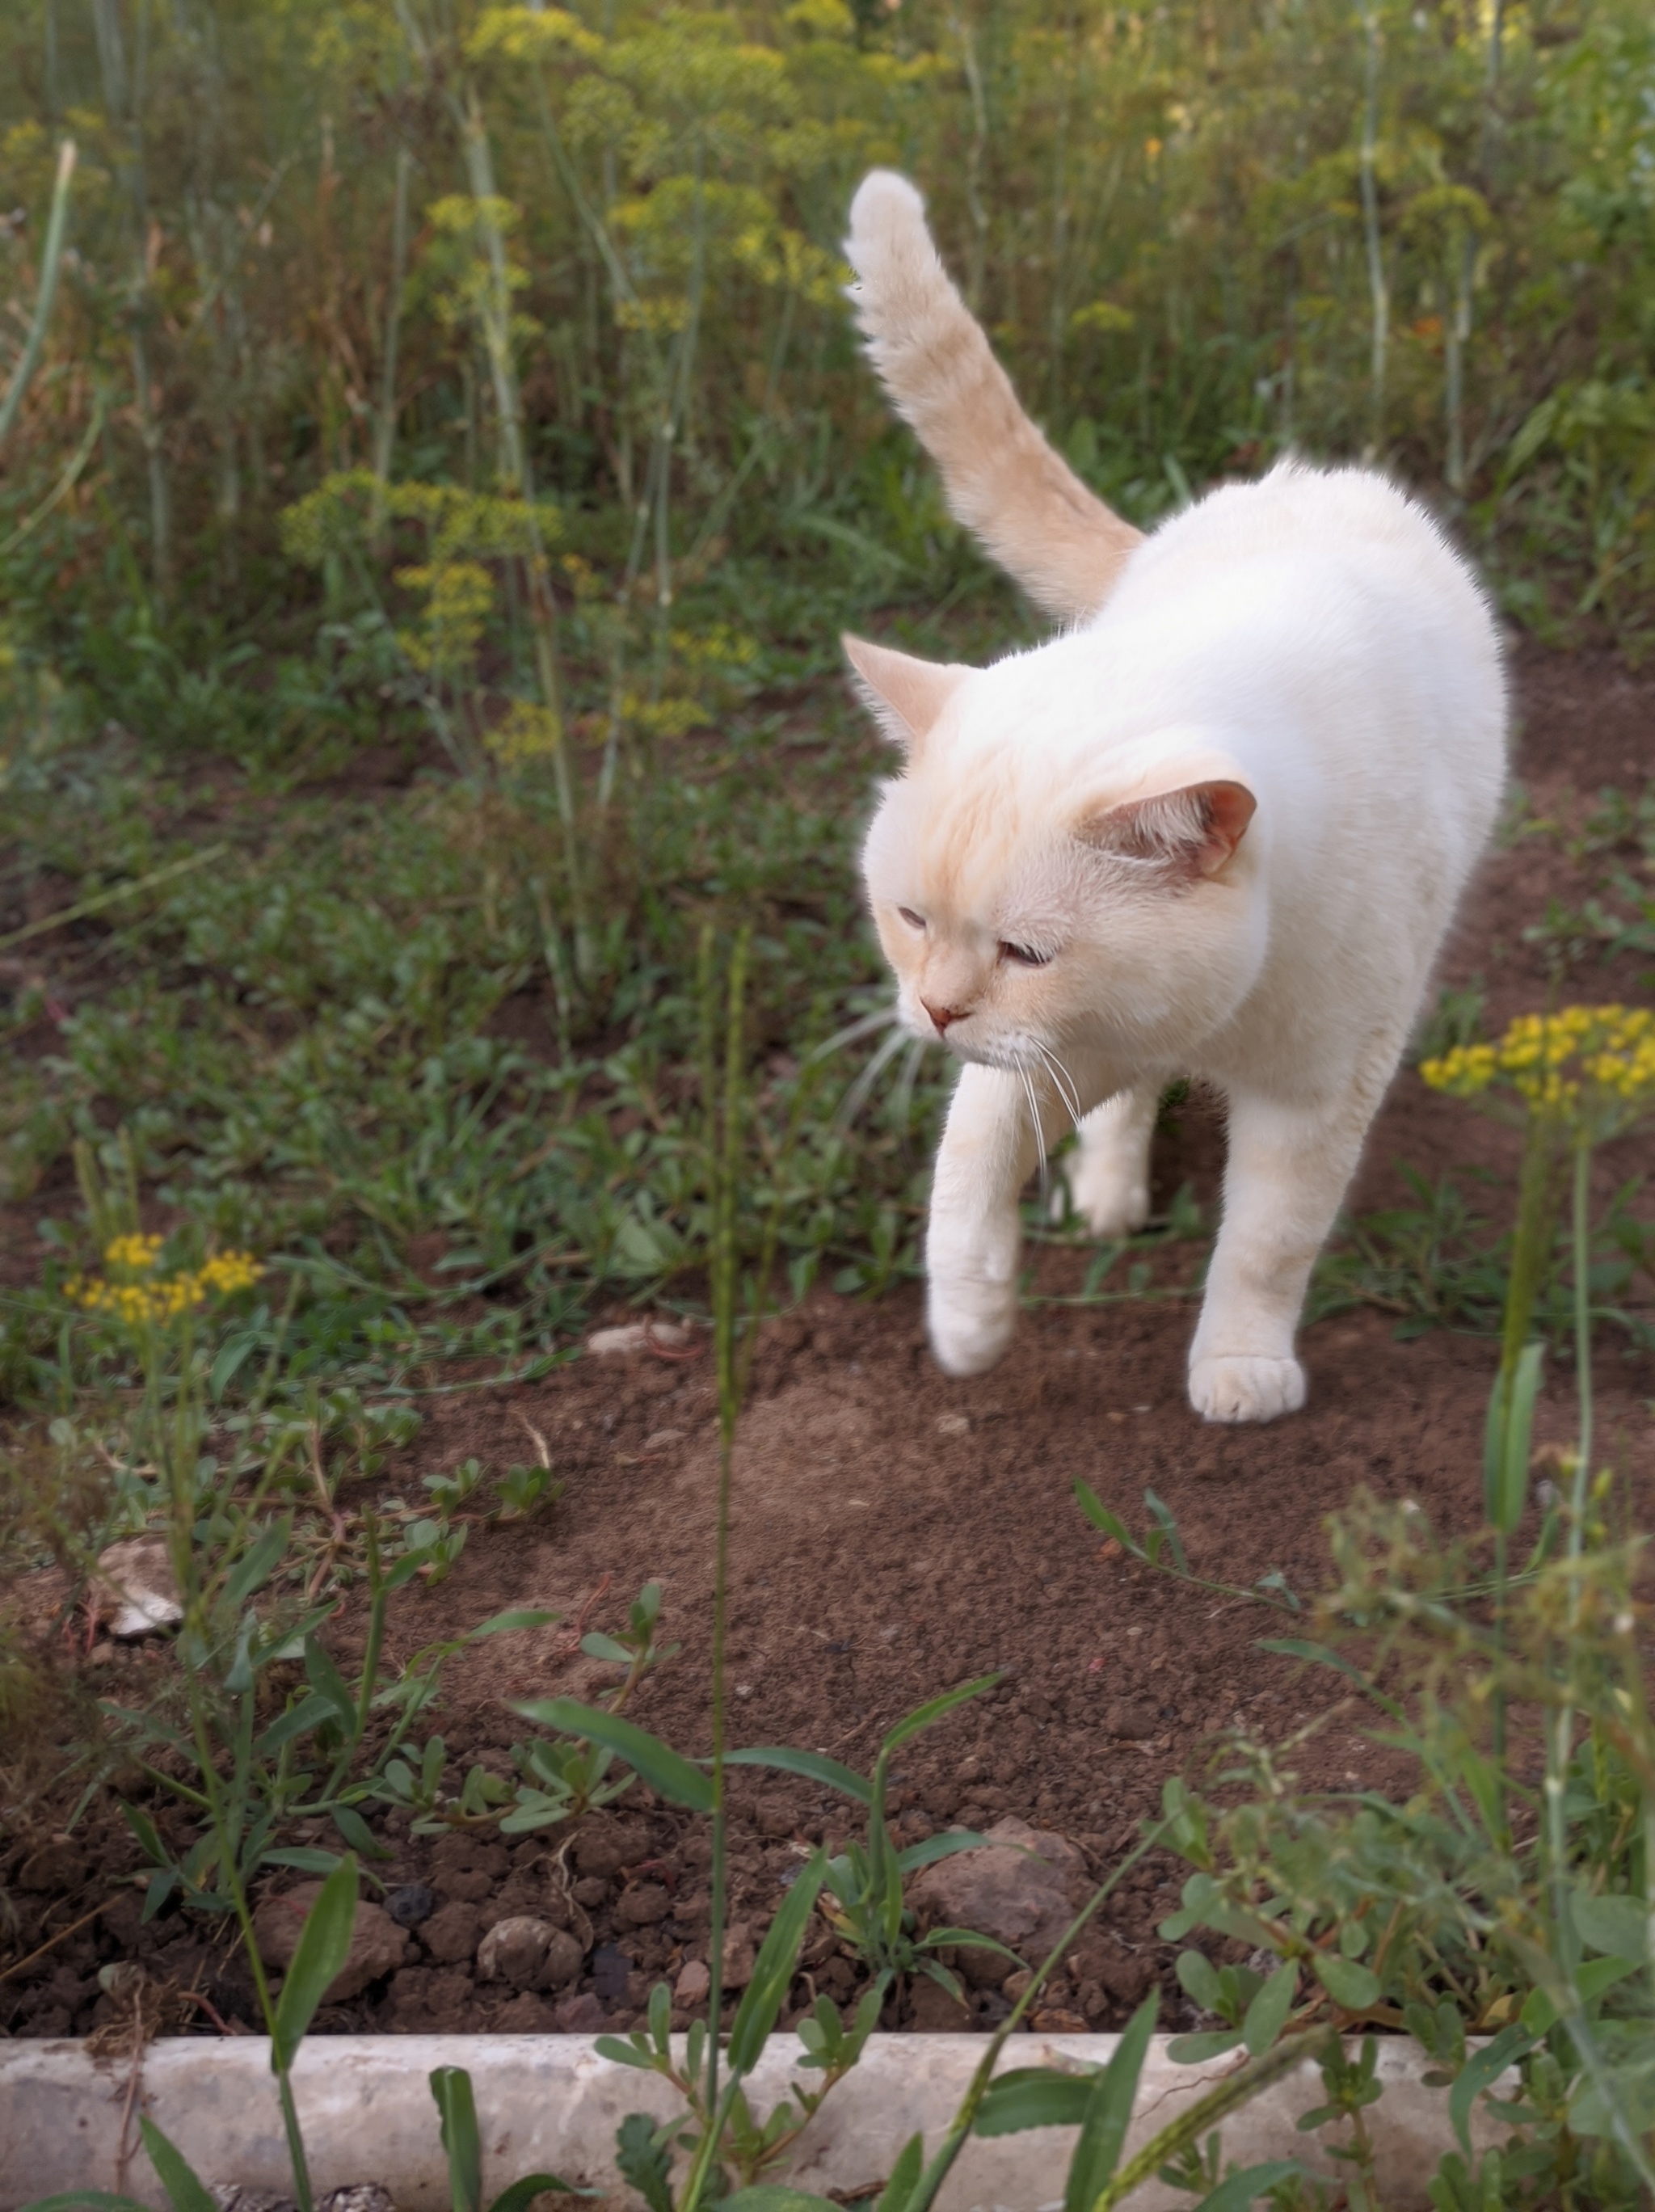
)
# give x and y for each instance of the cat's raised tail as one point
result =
(1001, 479)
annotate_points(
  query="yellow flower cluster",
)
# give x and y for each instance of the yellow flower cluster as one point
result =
(1595, 1065)
(132, 1292)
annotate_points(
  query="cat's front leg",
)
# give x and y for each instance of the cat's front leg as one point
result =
(974, 1241)
(1108, 1172)
(1288, 1171)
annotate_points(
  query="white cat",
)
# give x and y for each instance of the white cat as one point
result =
(1216, 830)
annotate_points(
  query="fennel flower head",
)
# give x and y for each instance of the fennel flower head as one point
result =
(1590, 1068)
(134, 1290)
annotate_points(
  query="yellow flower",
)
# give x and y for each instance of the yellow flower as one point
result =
(155, 1300)
(1591, 1067)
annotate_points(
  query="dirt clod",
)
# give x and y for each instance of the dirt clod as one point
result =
(377, 1944)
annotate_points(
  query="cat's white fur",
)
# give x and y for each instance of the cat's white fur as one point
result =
(1230, 815)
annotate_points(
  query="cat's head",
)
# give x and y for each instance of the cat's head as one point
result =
(1037, 893)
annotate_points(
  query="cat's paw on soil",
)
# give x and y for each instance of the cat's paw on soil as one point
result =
(1246, 1388)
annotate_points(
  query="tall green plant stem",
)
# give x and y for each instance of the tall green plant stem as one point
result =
(1378, 289)
(384, 428)
(52, 259)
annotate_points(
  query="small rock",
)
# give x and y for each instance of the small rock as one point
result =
(981, 1968)
(356, 2196)
(1057, 2020)
(612, 1969)
(135, 1582)
(376, 1941)
(639, 1336)
(563, 1961)
(523, 2015)
(953, 1425)
(1133, 1723)
(581, 2015)
(231, 2197)
(662, 1439)
(450, 1933)
(694, 1983)
(514, 1951)
(738, 1955)
(413, 1902)
(1127, 1978)
(590, 1892)
(1020, 1896)
(643, 1904)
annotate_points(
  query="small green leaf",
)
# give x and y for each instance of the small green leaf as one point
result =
(522, 2194)
(1100, 1517)
(457, 2109)
(1238, 2191)
(503, 1623)
(1033, 2097)
(1480, 2072)
(327, 1682)
(774, 1969)
(815, 1766)
(596, 1645)
(1198, 1977)
(1616, 1925)
(1348, 1983)
(666, 1773)
(185, 2190)
(256, 1566)
(1167, 1525)
(924, 1716)
(232, 1356)
(898, 2191)
(324, 1947)
(1267, 2013)
(1196, 2050)
(1108, 2112)
(941, 1846)
(358, 1834)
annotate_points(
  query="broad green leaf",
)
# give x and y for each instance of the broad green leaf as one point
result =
(596, 1646)
(1100, 1517)
(1208, 2043)
(898, 2191)
(1616, 1925)
(327, 1682)
(358, 1834)
(502, 1624)
(185, 2190)
(1108, 2112)
(1591, 1978)
(1238, 2191)
(522, 2194)
(923, 1715)
(1267, 2013)
(772, 1970)
(1033, 2097)
(1347, 1982)
(941, 1846)
(815, 1765)
(324, 1947)
(256, 1566)
(1505, 1446)
(1198, 1977)
(666, 1773)
(1480, 2072)
(310, 1712)
(232, 1356)
(457, 2112)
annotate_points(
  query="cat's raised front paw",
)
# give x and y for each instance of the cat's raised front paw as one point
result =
(1242, 1389)
(968, 1335)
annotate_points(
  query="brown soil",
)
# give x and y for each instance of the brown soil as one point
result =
(896, 1532)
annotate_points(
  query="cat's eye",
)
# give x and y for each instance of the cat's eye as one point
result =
(914, 920)
(1024, 955)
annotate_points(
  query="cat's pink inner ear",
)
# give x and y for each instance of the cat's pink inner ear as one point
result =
(1193, 830)
(904, 694)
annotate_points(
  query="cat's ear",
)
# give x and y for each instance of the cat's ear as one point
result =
(904, 695)
(1184, 833)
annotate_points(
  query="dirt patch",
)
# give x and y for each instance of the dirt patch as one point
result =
(895, 1532)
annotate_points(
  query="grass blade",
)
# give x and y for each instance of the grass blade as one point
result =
(324, 1947)
(1108, 2112)
(666, 1773)
(457, 2109)
(773, 1971)
(185, 2190)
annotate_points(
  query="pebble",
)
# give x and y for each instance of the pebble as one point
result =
(413, 1902)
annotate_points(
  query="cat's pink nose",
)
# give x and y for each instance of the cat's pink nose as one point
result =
(944, 1015)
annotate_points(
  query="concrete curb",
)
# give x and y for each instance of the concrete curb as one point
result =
(550, 2103)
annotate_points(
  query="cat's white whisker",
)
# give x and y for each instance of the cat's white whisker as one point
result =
(1027, 1081)
(1062, 1083)
(856, 1097)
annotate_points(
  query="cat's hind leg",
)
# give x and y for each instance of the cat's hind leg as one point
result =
(1108, 1172)
(1288, 1169)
